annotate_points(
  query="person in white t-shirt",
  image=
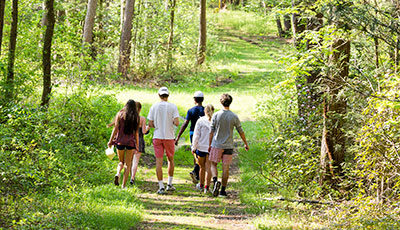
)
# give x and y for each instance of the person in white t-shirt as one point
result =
(162, 117)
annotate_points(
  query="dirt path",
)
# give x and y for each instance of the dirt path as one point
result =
(187, 208)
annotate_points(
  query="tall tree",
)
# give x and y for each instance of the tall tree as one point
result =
(203, 33)
(46, 58)
(279, 25)
(171, 32)
(89, 21)
(333, 138)
(2, 7)
(126, 36)
(11, 51)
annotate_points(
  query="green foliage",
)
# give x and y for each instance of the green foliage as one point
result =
(46, 150)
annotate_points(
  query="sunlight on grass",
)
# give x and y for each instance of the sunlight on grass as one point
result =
(248, 22)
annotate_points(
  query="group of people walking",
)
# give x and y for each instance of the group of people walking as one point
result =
(211, 135)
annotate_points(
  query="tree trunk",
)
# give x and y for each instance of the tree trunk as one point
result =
(221, 4)
(11, 52)
(171, 34)
(136, 29)
(287, 23)
(336, 108)
(376, 43)
(203, 33)
(125, 43)
(2, 7)
(122, 13)
(48, 37)
(89, 21)
(279, 25)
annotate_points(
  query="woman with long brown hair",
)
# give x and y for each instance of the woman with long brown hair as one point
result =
(125, 136)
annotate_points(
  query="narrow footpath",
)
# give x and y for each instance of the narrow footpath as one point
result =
(187, 208)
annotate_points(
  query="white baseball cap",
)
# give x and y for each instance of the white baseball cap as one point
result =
(198, 94)
(163, 91)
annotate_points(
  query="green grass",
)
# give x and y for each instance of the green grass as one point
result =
(100, 207)
(246, 22)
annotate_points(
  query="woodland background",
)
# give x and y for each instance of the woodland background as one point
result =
(330, 125)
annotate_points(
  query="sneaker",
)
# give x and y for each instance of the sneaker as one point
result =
(171, 188)
(116, 180)
(217, 185)
(194, 179)
(206, 191)
(198, 187)
(132, 181)
(223, 194)
(161, 191)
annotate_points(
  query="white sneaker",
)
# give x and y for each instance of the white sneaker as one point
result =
(171, 188)
(206, 191)
(198, 187)
(161, 191)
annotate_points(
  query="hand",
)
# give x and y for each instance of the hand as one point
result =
(246, 146)
(110, 144)
(209, 149)
(176, 141)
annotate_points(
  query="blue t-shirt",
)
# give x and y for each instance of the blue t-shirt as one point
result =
(193, 115)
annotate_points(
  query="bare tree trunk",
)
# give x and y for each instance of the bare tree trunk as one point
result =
(136, 29)
(122, 2)
(279, 25)
(287, 24)
(171, 34)
(376, 43)
(126, 36)
(48, 37)
(336, 107)
(11, 52)
(89, 21)
(44, 18)
(203, 33)
(2, 7)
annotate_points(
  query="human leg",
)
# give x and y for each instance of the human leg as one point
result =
(159, 154)
(208, 172)
(135, 163)
(225, 174)
(202, 164)
(226, 162)
(170, 152)
(121, 154)
(128, 160)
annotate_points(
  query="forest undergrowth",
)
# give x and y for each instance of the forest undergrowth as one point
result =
(55, 174)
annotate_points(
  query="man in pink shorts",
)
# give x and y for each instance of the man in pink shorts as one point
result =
(221, 143)
(162, 117)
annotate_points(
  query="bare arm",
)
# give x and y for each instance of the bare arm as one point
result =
(137, 140)
(114, 132)
(184, 126)
(151, 124)
(210, 141)
(176, 121)
(246, 146)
